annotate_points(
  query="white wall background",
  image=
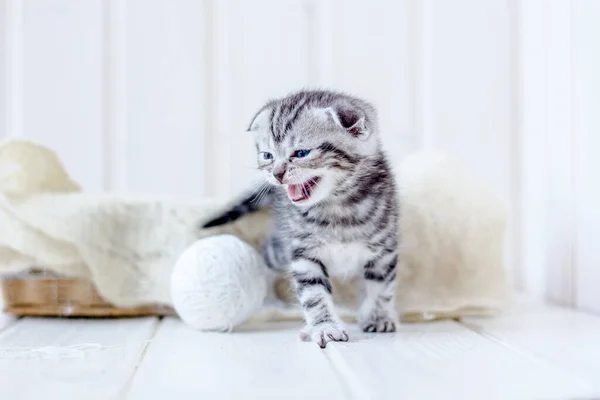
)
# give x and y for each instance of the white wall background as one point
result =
(153, 96)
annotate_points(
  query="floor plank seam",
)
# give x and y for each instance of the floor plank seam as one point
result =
(536, 357)
(482, 332)
(147, 344)
(344, 376)
(541, 360)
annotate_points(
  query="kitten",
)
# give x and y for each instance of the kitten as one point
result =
(334, 201)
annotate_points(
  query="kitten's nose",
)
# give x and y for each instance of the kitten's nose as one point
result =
(279, 174)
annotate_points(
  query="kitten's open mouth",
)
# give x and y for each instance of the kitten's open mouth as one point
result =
(302, 191)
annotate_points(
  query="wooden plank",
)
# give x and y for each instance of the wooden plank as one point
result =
(70, 359)
(254, 65)
(586, 123)
(11, 104)
(3, 70)
(62, 83)
(267, 362)
(164, 85)
(444, 360)
(561, 337)
(377, 69)
(558, 198)
(471, 56)
(542, 160)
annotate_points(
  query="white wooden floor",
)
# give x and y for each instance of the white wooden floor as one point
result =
(532, 352)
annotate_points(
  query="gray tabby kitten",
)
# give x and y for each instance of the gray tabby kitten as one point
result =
(335, 206)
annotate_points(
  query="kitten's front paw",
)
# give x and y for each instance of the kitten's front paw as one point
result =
(324, 333)
(380, 321)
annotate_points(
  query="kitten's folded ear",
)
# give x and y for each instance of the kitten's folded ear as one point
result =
(261, 118)
(352, 120)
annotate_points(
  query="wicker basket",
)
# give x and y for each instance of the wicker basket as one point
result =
(65, 297)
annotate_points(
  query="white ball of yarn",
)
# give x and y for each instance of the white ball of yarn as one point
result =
(218, 283)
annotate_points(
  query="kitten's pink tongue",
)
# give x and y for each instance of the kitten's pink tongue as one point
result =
(296, 192)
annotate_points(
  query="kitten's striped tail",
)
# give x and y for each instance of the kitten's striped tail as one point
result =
(256, 201)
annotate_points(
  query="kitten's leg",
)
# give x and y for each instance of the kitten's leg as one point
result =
(272, 253)
(271, 299)
(378, 311)
(314, 292)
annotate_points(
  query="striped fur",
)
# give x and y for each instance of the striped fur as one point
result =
(347, 225)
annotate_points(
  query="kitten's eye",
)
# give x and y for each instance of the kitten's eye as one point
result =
(267, 156)
(301, 153)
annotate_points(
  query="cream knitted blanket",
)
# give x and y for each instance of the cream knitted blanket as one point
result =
(451, 231)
